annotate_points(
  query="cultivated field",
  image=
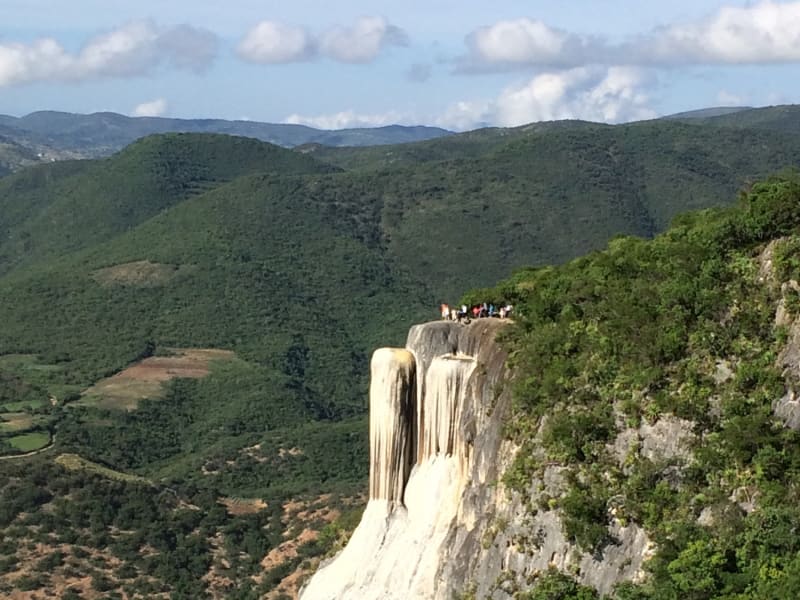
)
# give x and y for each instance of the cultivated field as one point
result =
(29, 442)
(145, 379)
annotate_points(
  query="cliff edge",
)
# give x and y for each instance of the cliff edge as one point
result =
(439, 522)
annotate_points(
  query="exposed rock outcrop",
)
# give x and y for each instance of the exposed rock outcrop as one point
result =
(454, 528)
(397, 551)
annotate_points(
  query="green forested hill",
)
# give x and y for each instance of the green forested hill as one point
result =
(52, 209)
(300, 263)
(684, 326)
(783, 119)
(194, 242)
(545, 194)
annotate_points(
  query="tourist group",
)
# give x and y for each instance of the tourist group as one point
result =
(476, 311)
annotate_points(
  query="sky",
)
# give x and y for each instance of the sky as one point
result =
(458, 64)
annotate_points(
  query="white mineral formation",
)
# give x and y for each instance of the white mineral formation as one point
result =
(395, 552)
(440, 524)
(392, 394)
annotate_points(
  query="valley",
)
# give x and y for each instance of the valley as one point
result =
(189, 323)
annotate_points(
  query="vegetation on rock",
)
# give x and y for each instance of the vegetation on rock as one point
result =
(684, 327)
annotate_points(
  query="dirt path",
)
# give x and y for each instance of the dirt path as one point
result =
(32, 452)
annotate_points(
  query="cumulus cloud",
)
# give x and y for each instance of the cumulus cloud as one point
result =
(363, 41)
(522, 42)
(153, 108)
(765, 32)
(604, 94)
(612, 95)
(271, 42)
(134, 49)
(465, 114)
(347, 119)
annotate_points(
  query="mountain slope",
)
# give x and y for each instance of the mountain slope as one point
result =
(544, 195)
(300, 269)
(14, 155)
(251, 265)
(706, 113)
(655, 415)
(59, 208)
(783, 119)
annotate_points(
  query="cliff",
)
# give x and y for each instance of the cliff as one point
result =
(652, 448)
(439, 522)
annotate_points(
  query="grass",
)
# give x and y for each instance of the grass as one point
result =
(20, 406)
(13, 360)
(50, 379)
(30, 441)
(73, 462)
(122, 396)
(15, 422)
(22, 363)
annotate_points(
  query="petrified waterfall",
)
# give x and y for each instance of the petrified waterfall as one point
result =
(419, 460)
(445, 385)
(439, 523)
(392, 394)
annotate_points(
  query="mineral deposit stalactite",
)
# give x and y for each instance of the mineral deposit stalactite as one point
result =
(392, 395)
(445, 387)
(425, 406)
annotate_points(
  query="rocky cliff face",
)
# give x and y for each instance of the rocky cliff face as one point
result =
(440, 524)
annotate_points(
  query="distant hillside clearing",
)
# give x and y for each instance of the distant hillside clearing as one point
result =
(140, 273)
(145, 378)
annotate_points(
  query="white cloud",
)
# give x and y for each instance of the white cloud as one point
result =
(347, 119)
(765, 32)
(43, 59)
(465, 115)
(603, 94)
(134, 49)
(363, 41)
(271, 42)
(726, 98)
(130, 50)
(612, 95)
(522, 42)
(154, 108)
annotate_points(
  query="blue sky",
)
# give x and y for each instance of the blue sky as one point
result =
(456, 64)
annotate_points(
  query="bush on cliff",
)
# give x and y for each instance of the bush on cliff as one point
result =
(644, 330)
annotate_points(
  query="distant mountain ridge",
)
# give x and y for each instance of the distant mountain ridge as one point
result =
(59, 135)
(47, 136)
(707, 113)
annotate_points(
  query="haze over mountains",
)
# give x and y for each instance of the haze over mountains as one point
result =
(50, 135)
(300, 262)
(58, 135)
